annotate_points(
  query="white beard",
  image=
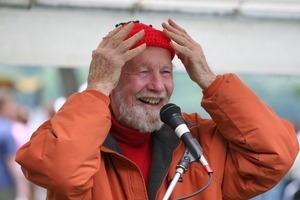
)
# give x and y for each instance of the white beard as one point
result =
(136, 117)
(140, 119)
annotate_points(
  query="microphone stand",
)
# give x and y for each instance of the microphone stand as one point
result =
(181, 168)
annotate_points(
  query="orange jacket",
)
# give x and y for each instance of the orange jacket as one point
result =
(247, 145)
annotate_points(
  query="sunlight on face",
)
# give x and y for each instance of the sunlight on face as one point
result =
(145, 85)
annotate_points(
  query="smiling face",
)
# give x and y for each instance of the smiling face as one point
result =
(145, 85)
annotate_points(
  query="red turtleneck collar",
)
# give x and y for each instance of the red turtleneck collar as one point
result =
(135, 145)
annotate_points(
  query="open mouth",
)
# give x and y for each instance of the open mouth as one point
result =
(150, 101)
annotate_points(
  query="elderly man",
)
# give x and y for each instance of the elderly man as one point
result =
(108, 142)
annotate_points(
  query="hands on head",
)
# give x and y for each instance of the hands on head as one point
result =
(110, 56)
(115, 50)
(190, 53)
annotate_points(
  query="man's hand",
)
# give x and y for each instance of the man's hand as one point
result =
(190, 53)
(110, 56)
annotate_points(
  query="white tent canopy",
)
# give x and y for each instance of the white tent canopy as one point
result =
(63, 33)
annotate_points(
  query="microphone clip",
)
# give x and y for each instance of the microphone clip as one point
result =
(185, 161)
(181, 168)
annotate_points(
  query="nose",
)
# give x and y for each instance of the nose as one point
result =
(156, 83)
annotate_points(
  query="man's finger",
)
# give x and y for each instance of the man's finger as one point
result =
(176, 33)
(127, 44)
(134, 52)
(117, 38)
(108, 36)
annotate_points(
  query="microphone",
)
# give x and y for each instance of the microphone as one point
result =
(170, 114)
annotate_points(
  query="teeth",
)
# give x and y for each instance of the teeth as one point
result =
(150, 101)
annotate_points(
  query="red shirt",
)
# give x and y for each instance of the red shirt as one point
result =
(135, 145)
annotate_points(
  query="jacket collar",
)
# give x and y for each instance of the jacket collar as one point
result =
(164, 143)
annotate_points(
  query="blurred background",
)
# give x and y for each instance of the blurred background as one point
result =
(46, 45)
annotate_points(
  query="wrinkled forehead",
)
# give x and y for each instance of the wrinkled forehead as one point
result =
(151, 57)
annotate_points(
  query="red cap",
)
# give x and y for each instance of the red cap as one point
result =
(152, 37)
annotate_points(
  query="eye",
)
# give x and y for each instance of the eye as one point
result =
(167, 73)
(144, 73)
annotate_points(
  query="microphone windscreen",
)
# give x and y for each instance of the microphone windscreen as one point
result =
(168, 111)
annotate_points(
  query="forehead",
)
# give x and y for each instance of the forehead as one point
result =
(151, 57)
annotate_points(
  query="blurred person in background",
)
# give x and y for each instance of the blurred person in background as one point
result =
(21, 135)
(13, 134)
(108, 142)
(8, 169)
